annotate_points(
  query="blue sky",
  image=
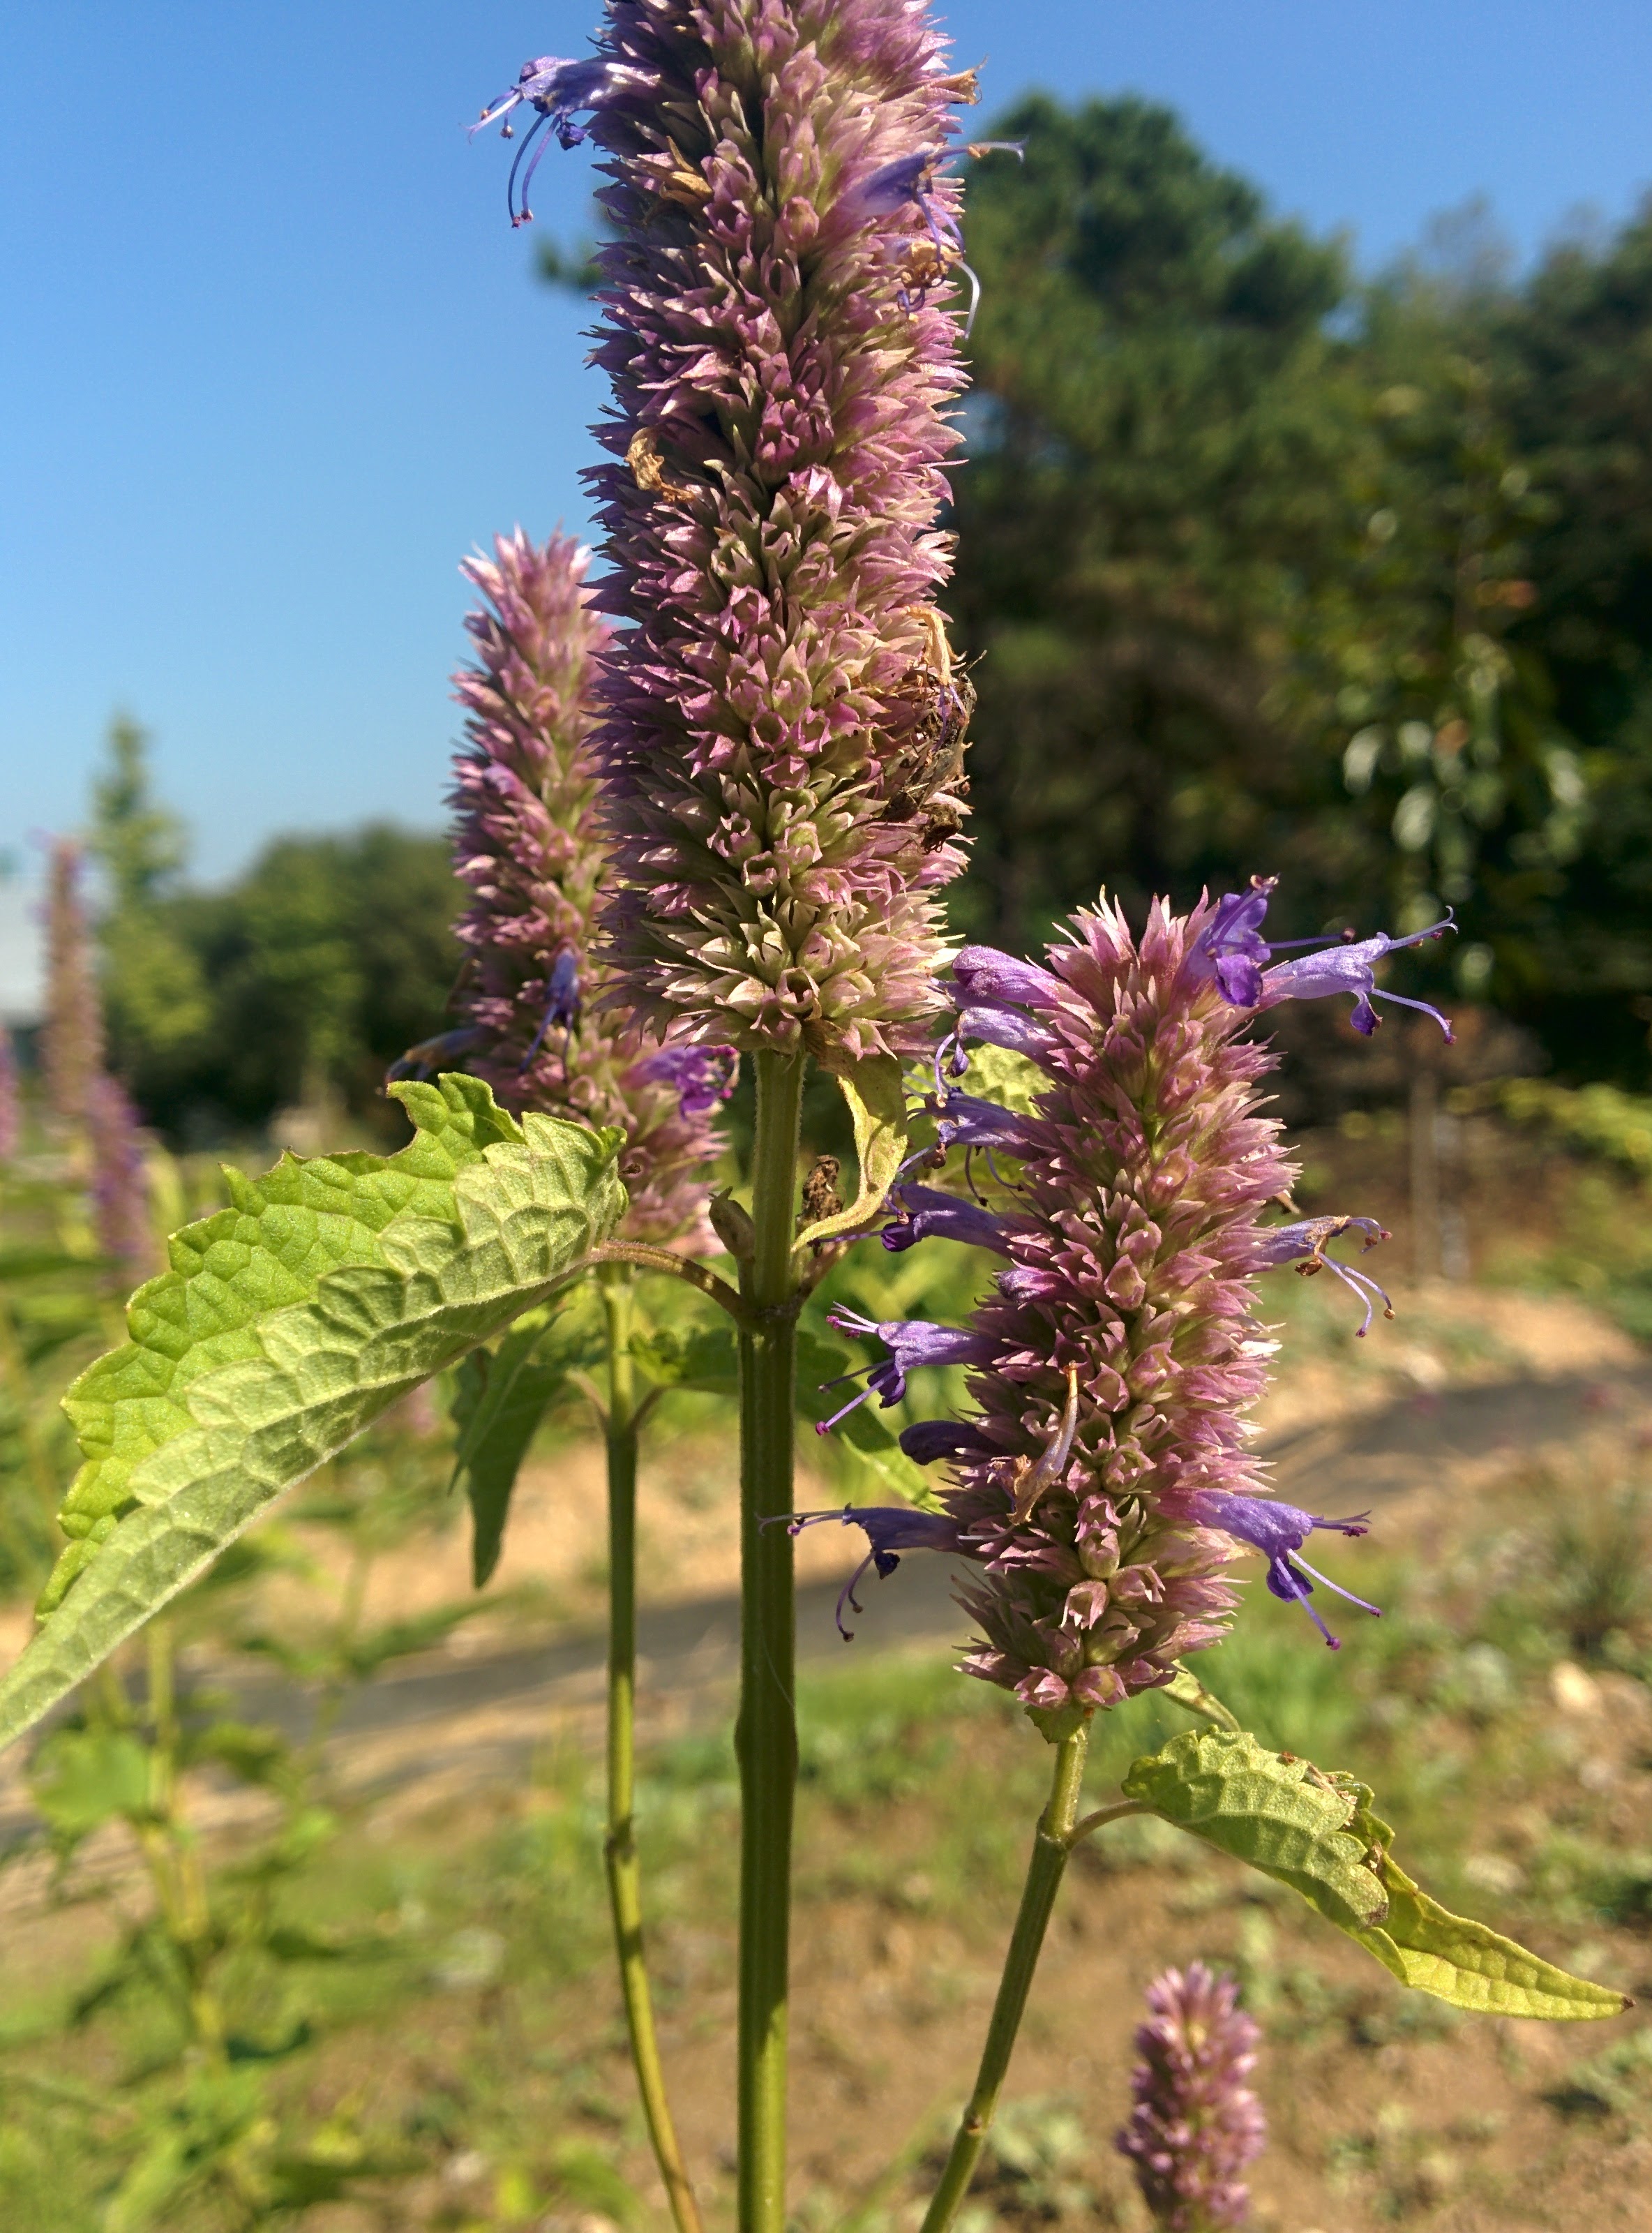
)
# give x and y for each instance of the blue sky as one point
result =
(277, 361)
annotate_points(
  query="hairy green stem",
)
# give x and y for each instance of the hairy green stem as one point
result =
(1051, 1844)
(620, 1845)
(767, 1736)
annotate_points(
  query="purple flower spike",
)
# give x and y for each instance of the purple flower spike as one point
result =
(556, 89)
(1304, 1244)
(1278, 1532)
(928, 1213)
(1196, 2123)
(889, 1529)
(783, 712)
(11, 1101)
(119, 1180)
(72, 1041)
(529, 845)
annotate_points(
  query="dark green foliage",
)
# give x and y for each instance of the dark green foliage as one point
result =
(318, 967)
(1155, 497)
(1267, 571)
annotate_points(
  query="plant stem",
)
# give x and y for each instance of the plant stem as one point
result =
(1051, 1845)
(620, 1846)
(767, 1736)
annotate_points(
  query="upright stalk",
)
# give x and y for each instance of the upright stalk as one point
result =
(1052, 1843)
(620, 1846)
(767, 1736)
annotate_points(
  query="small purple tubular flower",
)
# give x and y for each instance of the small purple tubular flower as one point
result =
(702, 1075)
(925, 1440)
(929, 1214)
(964, 1120)
(1196, 2123)
(1278, 1532)
(910, 1342)
(889, 1529)
(1232, 949)
(1351, 969)
(1304, 1244)
(983, 977)
(11, 1102)
(556, 89)
(562, 1002)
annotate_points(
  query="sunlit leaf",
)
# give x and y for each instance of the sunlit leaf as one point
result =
(287, 1322)
(877, 1108)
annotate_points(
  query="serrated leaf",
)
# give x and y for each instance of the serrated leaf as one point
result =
(1276, 1813)
(287, 1323)
(877, 1107)
(1458, 1960)
(1319, 1834)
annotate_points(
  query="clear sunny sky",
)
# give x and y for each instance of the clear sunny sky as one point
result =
(275, 360)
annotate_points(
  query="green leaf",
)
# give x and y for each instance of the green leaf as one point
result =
(503, 1397)
(287, 1323)
(1460, 1961)
(82, 1778)
(1275, 1813)
(877, 1107)
(707, 1363)
(1318, 1833)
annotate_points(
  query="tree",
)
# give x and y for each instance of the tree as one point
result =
(1162, 446)
(154, 997)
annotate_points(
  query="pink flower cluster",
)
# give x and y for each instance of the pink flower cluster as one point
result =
(528, 846)
(1196, 2123)
(782, 724)
(1105, 1480)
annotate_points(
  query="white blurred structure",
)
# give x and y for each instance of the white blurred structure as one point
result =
(23, 957)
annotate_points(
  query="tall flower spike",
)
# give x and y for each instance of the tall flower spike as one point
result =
(783, 724)
(1196, 2123)
(119, 1180)
(528, 846)
(1107, 1480)
(10, 1098)
(72, 1038)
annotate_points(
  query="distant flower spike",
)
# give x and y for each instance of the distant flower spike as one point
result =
(72, 1041)
(529, 845)
(11, 1101)
(1196, 2123)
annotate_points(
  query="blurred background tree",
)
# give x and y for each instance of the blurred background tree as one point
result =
(298, 982)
